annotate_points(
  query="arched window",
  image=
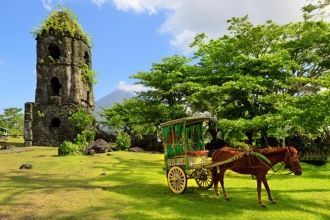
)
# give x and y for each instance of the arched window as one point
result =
(88, 94)
(87, 58)
(55, 123)
(54, 51)
(56, 86)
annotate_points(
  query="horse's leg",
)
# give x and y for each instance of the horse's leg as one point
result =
(215, 180)
(259, 192)
(270, 198)
(221, 177)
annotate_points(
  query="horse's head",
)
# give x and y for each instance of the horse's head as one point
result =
(291, 161)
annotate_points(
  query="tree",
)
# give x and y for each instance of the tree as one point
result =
(317, 9)
(163, 80)
(139, 117)
(259, 81)
(12, 118)
(248, 75)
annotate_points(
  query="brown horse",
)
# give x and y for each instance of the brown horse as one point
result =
(245, 162)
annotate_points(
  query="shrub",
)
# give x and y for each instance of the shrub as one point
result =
(123, 141)
(69, 148)
(81, 119)
(85, 138)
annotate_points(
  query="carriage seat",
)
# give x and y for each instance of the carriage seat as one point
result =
(198, 153)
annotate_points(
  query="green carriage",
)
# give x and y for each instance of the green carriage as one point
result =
(185, 154)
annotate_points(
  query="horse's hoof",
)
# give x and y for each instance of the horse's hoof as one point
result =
(273, 202)
(263, 205)
(227, 198)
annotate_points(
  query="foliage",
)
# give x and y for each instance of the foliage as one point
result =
(40, 114)
(82, 119)
(78, 146)
(137, 116)
(84, 122)
(256, 77)
(85, 138)
(63, 21)
(123, 141)
(260, 82)
(69, 148)
(162, 80)
(88, 75)
(12, 119)
(317, 9)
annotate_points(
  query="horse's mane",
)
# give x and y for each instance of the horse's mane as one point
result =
(273, 150)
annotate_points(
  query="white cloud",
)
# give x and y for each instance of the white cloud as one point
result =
(99, 3)
(133, 88)
(149, 6)
(187, 17)
(182, 40)
(47, 4)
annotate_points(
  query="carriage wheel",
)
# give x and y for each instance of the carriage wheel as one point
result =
(177, 179)
(204, 178)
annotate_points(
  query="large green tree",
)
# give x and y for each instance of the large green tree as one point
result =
(12, 119)
(245, 77)
(258, 81)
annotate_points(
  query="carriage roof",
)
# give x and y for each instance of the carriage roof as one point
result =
(186, 121)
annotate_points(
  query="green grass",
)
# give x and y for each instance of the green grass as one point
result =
(133, 186)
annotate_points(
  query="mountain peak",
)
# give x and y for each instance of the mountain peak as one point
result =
(117, 96)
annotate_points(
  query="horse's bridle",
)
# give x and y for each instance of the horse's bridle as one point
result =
(288, 154)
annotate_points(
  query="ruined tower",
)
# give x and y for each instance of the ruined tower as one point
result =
(64, 81)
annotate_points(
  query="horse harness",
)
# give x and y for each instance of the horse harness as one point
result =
(248, 156)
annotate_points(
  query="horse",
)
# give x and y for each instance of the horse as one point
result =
(245, 162)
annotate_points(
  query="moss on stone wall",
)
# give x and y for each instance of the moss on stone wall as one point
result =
(64, 22)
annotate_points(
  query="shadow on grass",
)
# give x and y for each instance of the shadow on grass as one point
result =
(150, 198)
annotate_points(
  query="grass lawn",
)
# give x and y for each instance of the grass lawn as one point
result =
(129, 185)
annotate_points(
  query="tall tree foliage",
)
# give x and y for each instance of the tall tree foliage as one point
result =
(257, 81)
(250, 73)
(12, 119)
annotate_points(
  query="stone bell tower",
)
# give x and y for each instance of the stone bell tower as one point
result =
(63, 84)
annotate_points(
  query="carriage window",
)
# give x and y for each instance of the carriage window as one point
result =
(54, 51)
(55, 86)
(56, 122)
(86, 57)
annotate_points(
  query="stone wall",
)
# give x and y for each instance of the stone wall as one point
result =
(67, 69)
(28, 119)
(51, 125)
(60, 90)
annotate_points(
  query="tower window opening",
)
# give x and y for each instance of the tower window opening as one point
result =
(54, 51)
(87, 59)
(55, 123)
(88, 94)
(55, 86)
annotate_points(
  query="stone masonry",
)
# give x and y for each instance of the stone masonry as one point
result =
(60, 89)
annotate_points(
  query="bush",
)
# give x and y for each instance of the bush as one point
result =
(85, 138)
(78, 146)
(123, 141)
(69, 148)
(81, 119)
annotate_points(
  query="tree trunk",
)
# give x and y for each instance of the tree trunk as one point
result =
(249, 135)
(264, 138)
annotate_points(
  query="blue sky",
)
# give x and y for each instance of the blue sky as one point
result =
(128, 35)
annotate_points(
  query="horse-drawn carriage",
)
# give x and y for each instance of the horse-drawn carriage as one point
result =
(185, 154)
(186, 158)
